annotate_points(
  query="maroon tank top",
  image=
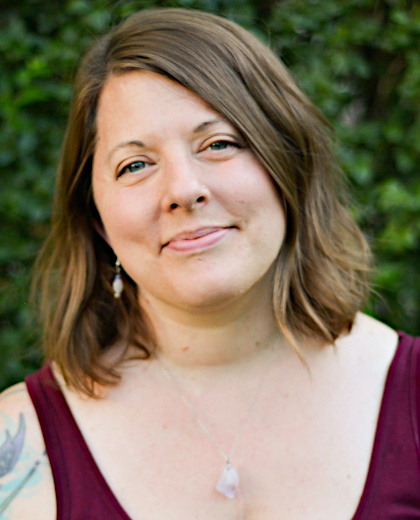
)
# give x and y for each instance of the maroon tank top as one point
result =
(392, 488)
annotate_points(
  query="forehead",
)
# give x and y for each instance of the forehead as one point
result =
(146, 106)
(148, 91)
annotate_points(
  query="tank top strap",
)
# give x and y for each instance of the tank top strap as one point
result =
(81, 490)
(416, 392)
(392, 488)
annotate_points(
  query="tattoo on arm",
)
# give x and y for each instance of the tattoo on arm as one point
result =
(12, 448)
(10, 453)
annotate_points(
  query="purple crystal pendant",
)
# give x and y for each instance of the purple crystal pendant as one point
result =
(228, 482)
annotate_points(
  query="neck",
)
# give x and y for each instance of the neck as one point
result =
(232, 335)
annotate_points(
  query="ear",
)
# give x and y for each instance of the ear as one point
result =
(99, 228)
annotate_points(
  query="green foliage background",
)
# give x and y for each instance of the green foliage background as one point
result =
(358, 60)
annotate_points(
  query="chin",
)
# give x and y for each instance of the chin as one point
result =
(211, 301)
(213, 295)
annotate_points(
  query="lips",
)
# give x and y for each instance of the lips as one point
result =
(197, 239)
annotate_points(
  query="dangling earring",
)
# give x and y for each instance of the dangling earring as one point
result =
(117, 284)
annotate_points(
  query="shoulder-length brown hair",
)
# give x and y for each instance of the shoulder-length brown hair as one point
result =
(322, 268)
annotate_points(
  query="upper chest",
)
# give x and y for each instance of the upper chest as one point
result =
(305, 449)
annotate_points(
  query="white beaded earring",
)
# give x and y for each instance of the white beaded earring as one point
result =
(117, 284)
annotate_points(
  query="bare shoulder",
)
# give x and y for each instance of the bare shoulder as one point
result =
(26, 484)
(375, 333)
(370, 343)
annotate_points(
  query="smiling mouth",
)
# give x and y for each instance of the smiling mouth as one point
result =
(197, 240)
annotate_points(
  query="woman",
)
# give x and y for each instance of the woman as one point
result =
(202, 286)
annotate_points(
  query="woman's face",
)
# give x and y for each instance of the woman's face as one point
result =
(194, 218)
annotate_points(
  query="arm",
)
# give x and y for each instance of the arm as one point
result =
(26, 484)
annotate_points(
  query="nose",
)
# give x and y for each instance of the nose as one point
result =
(184, 187)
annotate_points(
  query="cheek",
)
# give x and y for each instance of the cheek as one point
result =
(255, 192)
(266, 204)
(123, 216)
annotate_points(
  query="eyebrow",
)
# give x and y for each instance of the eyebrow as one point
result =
(202, 127)
(124, 144)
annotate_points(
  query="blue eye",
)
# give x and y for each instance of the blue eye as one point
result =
(133, 167)
(136, 166)
(221, 145)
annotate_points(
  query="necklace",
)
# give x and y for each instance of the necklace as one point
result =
(228, 482)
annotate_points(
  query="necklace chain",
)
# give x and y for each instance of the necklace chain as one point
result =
(226, 456)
